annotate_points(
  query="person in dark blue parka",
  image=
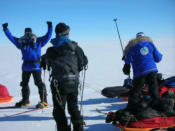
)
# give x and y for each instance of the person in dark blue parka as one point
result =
(142, 54)
(30, 46)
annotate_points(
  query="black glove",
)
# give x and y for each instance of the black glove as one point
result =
(123, 57)
(126, 69)
(49, 23)
(4, 26)
(43, 62)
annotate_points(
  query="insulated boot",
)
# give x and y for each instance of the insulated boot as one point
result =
(65, 128)
(25, 96)
(42, 92)
(78, 125)
(42, 105)
(22, 103)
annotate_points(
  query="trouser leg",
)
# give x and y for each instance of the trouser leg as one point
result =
(25, 88)
(151, 80)
(41, 86)
(153, 85)
(136, 92)
(59, 102)
(73, 110)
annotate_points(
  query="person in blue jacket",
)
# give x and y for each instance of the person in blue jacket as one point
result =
(30, 46)
(142, 54)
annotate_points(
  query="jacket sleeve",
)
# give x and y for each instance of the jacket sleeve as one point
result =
(13, 39)
(157, 55)
(82, 58)
(128, 58)
(44, 39)
(50, 57)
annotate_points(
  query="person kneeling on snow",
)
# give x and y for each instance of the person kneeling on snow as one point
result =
(66, 59)
(30, 47)
(142, 54)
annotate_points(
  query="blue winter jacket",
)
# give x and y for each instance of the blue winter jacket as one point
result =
(59, 40)
(143, 57)
(30, 54)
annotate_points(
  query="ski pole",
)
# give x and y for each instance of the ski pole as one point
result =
(115, 20)
(44, 81)
(82, 92)
(81, 105)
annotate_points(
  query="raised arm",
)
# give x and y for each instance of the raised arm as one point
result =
(13, 39)
(44, 39)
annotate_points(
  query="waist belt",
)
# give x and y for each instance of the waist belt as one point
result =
(69, 76)
(61, 78)
(32, 62)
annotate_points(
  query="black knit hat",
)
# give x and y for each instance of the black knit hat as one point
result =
(28, 30)
(62, 29)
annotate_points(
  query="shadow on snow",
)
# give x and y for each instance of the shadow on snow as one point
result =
(99, 101)
(114, 103)
(102, 127)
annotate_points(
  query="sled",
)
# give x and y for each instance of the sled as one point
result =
(6, 99)
(115, 91)
(144, 129)
(4, 94)
(122, 91)
(148, 124)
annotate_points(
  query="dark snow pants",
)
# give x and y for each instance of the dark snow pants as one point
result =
(38, 82)
(59, 102)
(138, 84)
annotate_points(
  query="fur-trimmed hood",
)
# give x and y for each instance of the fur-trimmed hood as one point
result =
(24, 38)
(134, 42)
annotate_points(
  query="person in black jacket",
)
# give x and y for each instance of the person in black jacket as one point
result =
(66, 59)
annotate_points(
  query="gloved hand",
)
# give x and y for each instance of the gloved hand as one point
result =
(49, 23)
(128, 83)
(126, 69)
(4, 26)
(123, 57)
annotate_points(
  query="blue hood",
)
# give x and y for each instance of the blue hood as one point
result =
(59, 40)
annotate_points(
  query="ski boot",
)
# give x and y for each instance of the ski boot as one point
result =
(78, 125)
(65, 128)
(22, 104)
(42, 104)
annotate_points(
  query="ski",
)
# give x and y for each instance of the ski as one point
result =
(101, 112)
(14, 107)
(28, 111)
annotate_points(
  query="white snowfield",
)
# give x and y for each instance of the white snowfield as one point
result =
(104, 69)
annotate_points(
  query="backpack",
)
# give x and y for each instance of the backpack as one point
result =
(66, 61)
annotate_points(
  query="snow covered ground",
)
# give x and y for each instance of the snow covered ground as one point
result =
(105, 69)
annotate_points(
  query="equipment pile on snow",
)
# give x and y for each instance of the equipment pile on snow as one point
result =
(146, 115)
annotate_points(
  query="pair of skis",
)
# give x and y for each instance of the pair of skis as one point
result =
(30, 109)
